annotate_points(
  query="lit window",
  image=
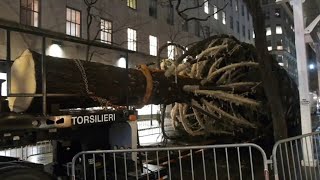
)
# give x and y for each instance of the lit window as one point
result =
(106, 31)
(132, 39)
(29, 12)
(268, 31)
(132, 4)
(237, 4)
(278, 29)
(269, 46)
(206, 6)
(73, 23)
(171, 51)
(223, 17)
(4, 86)
(215, 11)
(253, 35)
(279, 45)
(277, 13)
(153, 42)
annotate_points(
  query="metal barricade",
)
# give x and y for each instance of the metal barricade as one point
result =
(229, 161)
(297, 158)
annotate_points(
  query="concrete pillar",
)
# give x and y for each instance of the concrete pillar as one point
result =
(317, 48)
(300, 43)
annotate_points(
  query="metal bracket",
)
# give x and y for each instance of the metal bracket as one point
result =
(285, 1)
(310, 33)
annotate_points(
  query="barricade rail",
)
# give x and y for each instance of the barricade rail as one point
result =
(228, 161)
(297, 158)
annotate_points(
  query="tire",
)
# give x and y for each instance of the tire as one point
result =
(16, 172)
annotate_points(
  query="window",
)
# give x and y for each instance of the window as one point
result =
(292, 27)
(29, 12)
(132, 39)
(238, 27)
(231, 3)
(243, 31)
(206, 31)
(73, 23)
(170, 18)
(268, 31)
(206, 6)
(132, 4)
(237, 4)
(269, 45)
(106, 31)
(185, 24)
(171, 51)
(249, 34)
(253, 35)
(280, 58)
(223, 17)
(267, 14)
(197, 28)
(248, 16)
(153, 8)
(215, 11)
(279, 45)
(242, 10)
(153, 45)
(278, 29)
(277, 13)
(231, 22)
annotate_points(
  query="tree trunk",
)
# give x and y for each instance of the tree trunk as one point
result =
(108, 82)
(269, 78)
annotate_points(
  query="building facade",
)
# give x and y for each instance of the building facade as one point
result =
(138, 25)
(280, 35)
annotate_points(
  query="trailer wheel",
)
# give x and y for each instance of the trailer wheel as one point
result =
(16, 172)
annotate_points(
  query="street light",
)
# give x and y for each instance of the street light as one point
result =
(55, 49)
(122, 62)
(311, 66)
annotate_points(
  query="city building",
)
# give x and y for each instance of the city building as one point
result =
(140, 26)
(280, 35)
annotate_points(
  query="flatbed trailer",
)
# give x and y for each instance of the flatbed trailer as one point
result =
(70, 132)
